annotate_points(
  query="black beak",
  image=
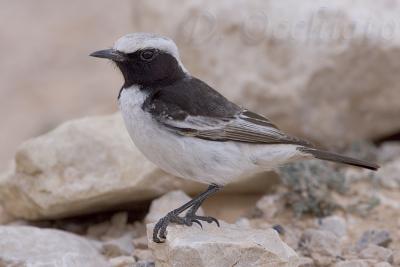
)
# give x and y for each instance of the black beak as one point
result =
(111, 54)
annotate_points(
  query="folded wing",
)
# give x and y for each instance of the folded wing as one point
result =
(245, 127)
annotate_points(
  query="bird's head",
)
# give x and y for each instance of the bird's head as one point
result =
(145, 59)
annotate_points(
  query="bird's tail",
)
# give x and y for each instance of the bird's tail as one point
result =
(325, 155)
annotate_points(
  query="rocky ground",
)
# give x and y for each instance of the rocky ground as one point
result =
(80, 195)
(64, 205)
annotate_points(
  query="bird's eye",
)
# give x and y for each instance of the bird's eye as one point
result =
(148, 54)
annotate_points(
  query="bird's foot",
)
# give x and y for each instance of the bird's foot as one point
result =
(160, 229)
(191, 218)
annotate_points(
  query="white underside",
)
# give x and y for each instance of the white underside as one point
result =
(196, 159)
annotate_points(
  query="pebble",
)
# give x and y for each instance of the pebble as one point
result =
(322, 246)
(378, 253)
(333, 224)
(123, 261)
(375, 237)
(121, 246)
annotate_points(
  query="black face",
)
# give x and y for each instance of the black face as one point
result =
(149, 68)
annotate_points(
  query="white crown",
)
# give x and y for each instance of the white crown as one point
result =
(141, 40)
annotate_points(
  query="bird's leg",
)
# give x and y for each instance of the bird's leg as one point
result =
(191, 216)
(160, 229)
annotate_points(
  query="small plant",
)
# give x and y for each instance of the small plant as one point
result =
(310, 184)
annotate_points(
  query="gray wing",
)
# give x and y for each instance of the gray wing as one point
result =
(245, 126)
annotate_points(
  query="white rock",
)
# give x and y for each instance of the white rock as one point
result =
(140, 242)
(333, 224)
(98, 230)
(145, 264)
(118, 225)
(143, 255)
(243, 222)
(5, 217)
(123, 261)
(166, 203)
(375, 237)
(383, 264)
(389, 151)
(302, 63)
(356, 263)
(116, 247)
(88, 165)
(228, 245)
(322, 246)
(389, 174)
(292, 235)
(378, 253)
(270, 205)
(31, 246)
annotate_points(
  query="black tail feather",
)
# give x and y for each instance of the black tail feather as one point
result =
(325, 155)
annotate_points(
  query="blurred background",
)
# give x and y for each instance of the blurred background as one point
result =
(325, 70)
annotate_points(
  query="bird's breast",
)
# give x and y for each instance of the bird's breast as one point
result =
(157, 144)
(140, 125)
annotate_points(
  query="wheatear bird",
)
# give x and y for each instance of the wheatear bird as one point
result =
(190, 130)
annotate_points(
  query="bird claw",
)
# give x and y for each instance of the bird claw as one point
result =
(212, 219)
(198, 222)
(195, 218)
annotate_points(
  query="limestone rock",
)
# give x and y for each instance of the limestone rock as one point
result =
(228, 245)
(270, 205)
(118, 224)
(164, 204)
(5, 217)
(383, 264)
(98, 230)
(140, 242)
(31, 246)
(389, 176)
(117, 247)
(322, 246)
(83, 165)
(389, 151)
(333, 224)
(88, 165)
(375, 237)
(123, 261)
(316, 68)
(356, 263)
(145, 264)
(378, 253)
(143, 255)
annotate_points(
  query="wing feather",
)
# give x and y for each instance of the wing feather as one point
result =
(244, 127)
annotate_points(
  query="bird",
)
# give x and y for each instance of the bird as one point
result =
(190, 130)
